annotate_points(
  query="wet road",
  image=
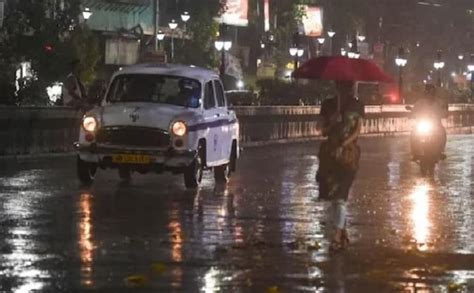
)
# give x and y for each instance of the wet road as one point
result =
(263, 232)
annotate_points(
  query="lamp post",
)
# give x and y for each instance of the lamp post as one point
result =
(172, 25)
(87, 13)
(460, 58)
(320, 46)
(470, 68)
(185, 17)
(222, 45)
(353, 51)
(295, 51)
(331, 35)
(438, 65)
(400, 61)
(160, 36)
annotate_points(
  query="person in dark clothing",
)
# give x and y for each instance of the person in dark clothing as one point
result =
(341, 122)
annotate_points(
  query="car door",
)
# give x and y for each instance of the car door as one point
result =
(225, 135)
(211, 119)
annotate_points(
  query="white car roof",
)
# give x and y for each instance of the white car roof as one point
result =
(188, 71)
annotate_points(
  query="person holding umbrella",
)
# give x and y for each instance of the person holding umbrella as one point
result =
(341, 123)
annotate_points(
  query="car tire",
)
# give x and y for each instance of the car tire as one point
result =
(125, 174)
(233, 158)
(222, 174)
(85, 171)
(193, 173)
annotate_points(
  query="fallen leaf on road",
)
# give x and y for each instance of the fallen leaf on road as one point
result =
(273, 289)
(437, 270)
(456, 287)
(136, 280)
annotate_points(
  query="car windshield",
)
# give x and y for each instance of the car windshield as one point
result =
(173, 90)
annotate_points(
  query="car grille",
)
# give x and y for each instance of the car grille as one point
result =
(133, 136)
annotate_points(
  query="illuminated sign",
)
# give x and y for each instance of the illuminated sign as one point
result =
(312, 20)
(236, 13)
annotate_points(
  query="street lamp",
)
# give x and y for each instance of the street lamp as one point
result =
(160, 36)
(87, 13)
(295, 51)
(320, 46)
(222, 45)
(331, 35)
(185, 17)
(400, 61)
(172, 25)
(438, 65)
(460, 56)
(353, 51)
(361, 38)
(470, 68)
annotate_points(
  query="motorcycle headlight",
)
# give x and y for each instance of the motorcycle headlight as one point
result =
(424, 127)
(179, 128)
(89, 123)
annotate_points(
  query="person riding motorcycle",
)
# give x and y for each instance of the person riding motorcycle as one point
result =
(435, 109)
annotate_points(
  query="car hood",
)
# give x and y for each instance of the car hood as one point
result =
(142, 115)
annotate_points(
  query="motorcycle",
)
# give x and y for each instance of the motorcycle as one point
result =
(426, 142)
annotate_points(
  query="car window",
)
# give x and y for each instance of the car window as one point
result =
(174, 90)
(209, 100)
(221, 102)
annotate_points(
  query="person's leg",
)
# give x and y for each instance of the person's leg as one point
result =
(346, 177)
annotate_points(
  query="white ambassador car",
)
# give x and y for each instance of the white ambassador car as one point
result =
(160, 117)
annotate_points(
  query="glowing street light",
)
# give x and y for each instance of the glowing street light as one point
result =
(295, 51)
(401, 62)
(87, 13)
(185, 16)
(438, 65)
(331, 35)
(160, 35)
(222, 45)
(172, 25)
(470, 68)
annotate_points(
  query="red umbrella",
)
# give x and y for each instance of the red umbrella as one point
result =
(341, 68)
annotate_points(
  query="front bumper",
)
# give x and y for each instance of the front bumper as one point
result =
(102, 154)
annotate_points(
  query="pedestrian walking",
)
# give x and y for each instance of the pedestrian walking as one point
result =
(341, 122)
(74, 93)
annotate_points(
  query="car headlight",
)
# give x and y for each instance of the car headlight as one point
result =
(424, 127)
(179, 128)
(89, 123)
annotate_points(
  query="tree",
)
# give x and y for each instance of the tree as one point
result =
(202, 31)
(47, 35)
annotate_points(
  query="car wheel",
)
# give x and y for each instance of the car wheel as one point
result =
(124, 173)
(233, 158)
(222, 173)
(193, 173)
(85, 171)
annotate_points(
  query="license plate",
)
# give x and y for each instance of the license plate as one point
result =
(131, 159)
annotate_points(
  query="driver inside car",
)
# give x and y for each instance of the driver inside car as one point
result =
(188, 95)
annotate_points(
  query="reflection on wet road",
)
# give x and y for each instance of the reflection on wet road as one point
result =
(263, 232)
